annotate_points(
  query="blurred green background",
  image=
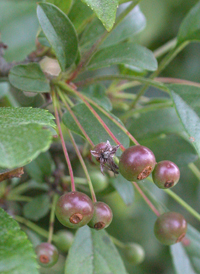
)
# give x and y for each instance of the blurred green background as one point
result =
(19, 26)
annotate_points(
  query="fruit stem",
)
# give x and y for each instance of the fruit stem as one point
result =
(84, 167)
(117, 242)
(165, 48)
(52, 217)
(194, 170)
(146, 199)
(63, 143)
(34, 227)
(75, 119)
(183, 204)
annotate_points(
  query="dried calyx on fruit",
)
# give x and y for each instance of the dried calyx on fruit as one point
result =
(74, 209)
(166, 174)
(170, 228)
(47, 254)
(104, 153)
(136, 163)
(102, 216)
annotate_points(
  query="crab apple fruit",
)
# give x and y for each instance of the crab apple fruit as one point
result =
(47, 254)
(102, 216)
(166, 174)
(134, 253)
(64, 240)
(74, 209)
(170, 228)
(136, 163)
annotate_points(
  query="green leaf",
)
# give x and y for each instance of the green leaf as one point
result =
(98, 94)
(153, 123)
(173, 148)
(133, 23)
(125, 53)
(19, 26)
(186, 259)
(124, 188)
(16, 252)
(64, 5)
(80, 14)
(37, 208)
(59, 32)
(93, 252)
(105, 11)
(40, 167)
(22, 136)
(187, 100)
(190, 27)
(29, 77)
(93, 128)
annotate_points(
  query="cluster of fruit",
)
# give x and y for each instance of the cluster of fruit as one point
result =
(75, 209)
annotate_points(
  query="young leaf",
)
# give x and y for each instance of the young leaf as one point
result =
(126, 54)
(4, 88)
(22, 136)
(187, 100)
(186, 259)
(29, 77)
(105, 11)
(37, 208)
(93, 252)
(59, 32)
(93, 128)
(124, 188)
(190, 27)
(63, 5)
(16, 252)
(98, 94)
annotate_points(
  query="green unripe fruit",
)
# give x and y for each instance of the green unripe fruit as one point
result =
(134, 253)
(64, 240)
(136, 163)
(47, 254)
(166, 174)
(74, 209)
(170, 228)
(99, 181)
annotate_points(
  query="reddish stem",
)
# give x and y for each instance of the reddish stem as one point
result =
(146, 199)
(176, 81)
(76, 120)
(63, 145)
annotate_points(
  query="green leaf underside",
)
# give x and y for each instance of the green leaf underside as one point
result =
(187, 102)
(60, 33)
(29, 78)
(126, 54)
(40, 167)
(186, 259)
(190, 27)
(22, 136)
(37, 208)
(173, 148)
(93, 128)
(124, 188)
(16, 252)
(4, 88)
(93, 252)
(135, 21)
(98, 94)
(105, 11)
(153, 123)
